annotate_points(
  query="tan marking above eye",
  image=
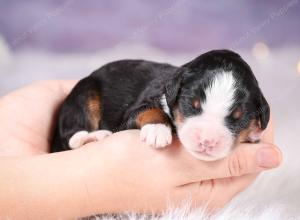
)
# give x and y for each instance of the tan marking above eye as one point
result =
(237, 113)
(196, 103)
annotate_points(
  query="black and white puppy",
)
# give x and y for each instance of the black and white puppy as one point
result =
(211, 103)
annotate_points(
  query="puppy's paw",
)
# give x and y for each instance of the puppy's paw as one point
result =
(81, 138)
(78, 139)
(99, 135)
(156, 135)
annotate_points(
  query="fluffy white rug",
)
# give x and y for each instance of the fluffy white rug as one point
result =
(275, 194)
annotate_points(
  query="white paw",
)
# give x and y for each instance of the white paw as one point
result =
(156, 135)
(81, 138)
(78, 139)
(99, 135)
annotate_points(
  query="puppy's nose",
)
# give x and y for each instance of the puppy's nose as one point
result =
(209, 143)
(206, 144)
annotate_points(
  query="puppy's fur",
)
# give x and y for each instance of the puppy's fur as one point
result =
(211, 103)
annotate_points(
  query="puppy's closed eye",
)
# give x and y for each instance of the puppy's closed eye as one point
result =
(196, 103)
(237, 113)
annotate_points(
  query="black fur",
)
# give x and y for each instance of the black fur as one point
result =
(126, 87)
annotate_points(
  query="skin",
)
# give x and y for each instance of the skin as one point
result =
(117, 174)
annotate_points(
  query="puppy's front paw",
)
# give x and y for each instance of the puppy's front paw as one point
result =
(156, 135)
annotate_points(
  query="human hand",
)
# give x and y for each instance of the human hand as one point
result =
(27, 117)
(120, 173)
(148, 179)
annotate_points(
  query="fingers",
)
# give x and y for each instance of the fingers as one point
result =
(215, 193)
(65, 85)
(184, 168)
(225, 189)
(38, 103)
(245, 159)
(60, 88)
(251, 159)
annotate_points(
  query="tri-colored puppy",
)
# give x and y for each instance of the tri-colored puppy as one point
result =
(211, 103)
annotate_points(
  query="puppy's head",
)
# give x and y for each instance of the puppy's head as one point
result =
(216, 103)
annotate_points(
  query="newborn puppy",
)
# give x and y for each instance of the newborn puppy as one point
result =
(211, 103)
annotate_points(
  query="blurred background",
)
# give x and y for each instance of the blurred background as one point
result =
(68, 39)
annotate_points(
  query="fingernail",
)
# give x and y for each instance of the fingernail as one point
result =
(267, 157)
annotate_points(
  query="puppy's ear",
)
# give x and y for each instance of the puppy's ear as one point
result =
(263, 112)
(173, 87)
(256, 125)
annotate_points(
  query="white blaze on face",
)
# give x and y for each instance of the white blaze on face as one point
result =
(205, 135)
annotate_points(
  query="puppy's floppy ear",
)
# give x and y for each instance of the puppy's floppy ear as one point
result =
(257, 124)
(173, 86)
(263, 112)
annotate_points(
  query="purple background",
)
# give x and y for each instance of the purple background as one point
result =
(174, 26)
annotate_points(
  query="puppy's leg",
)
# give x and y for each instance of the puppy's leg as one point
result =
(80, 116)
(155, 128)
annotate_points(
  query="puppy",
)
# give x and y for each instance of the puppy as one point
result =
(211, 103)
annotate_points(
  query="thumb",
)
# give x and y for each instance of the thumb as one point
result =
(245, 159)
(252, 158)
